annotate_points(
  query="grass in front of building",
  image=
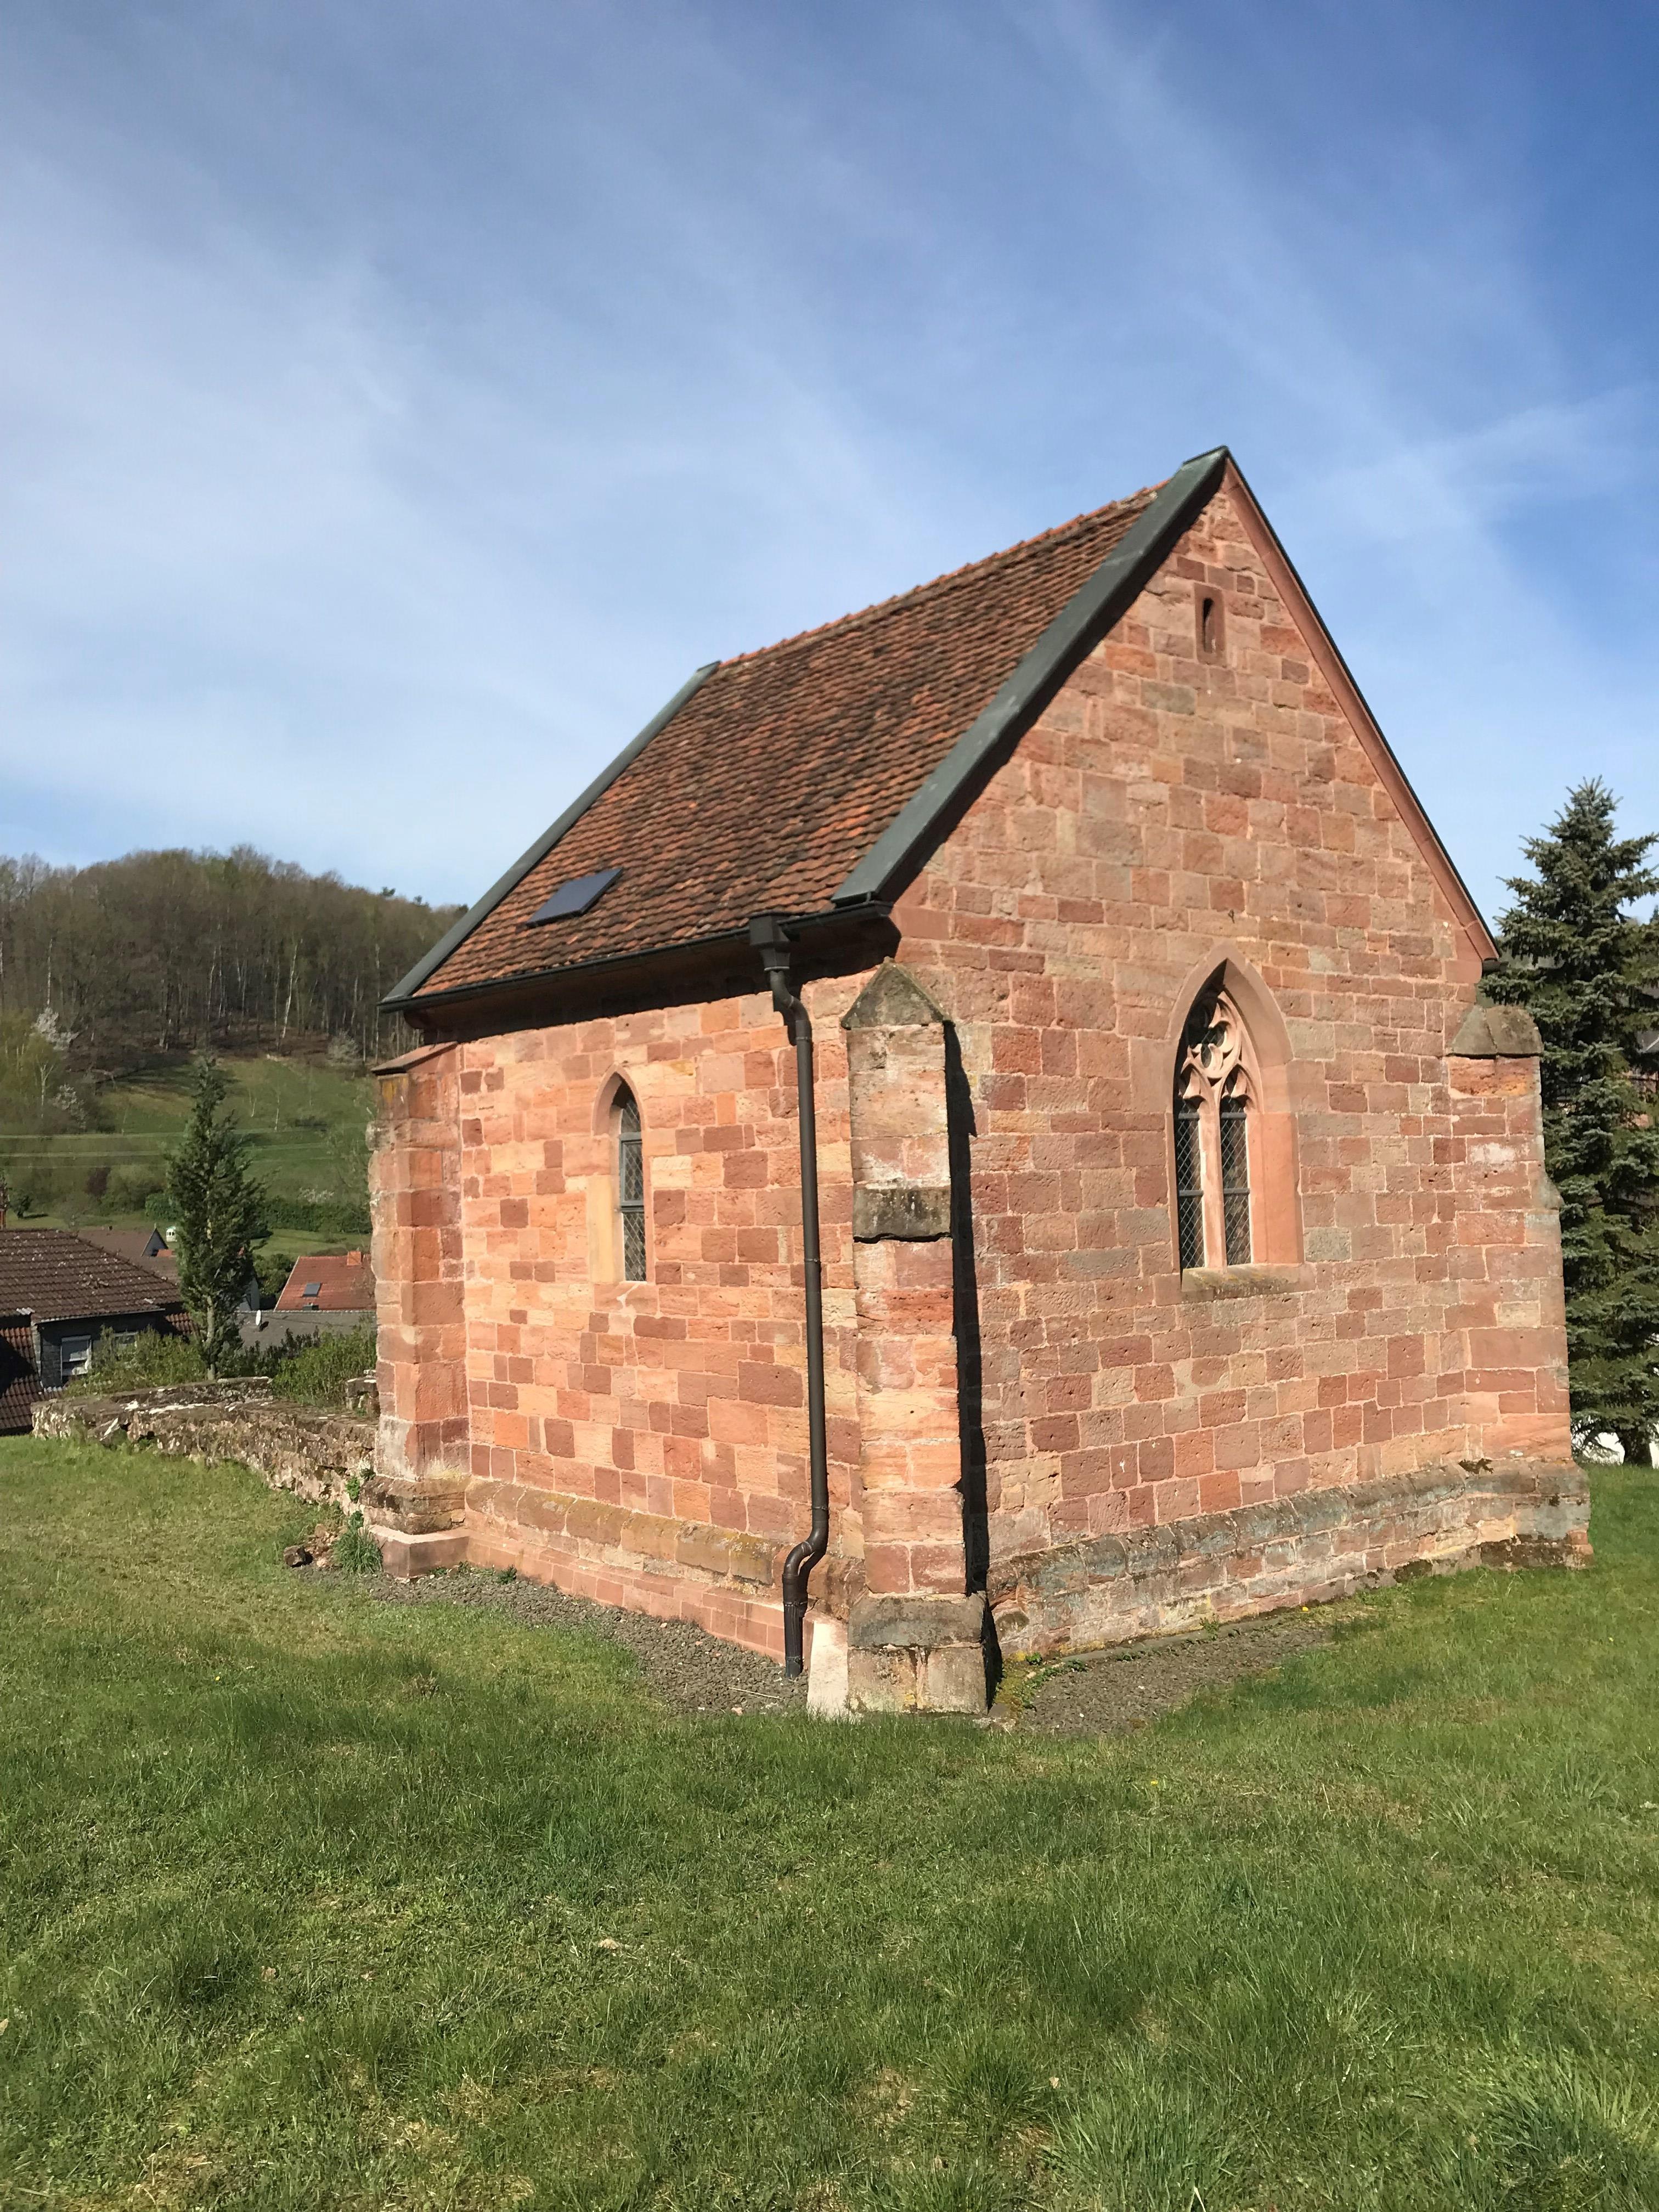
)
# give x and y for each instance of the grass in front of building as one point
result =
(313, 1901)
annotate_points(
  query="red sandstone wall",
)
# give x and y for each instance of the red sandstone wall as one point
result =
(1507, 1302)
(1166, 808)
(683, 1397)
(415, 1199)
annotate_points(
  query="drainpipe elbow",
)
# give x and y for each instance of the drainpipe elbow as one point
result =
(769, 935)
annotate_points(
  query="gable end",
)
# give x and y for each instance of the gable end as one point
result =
(1079, 625)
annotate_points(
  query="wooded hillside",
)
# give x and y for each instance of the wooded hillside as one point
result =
(162, 950)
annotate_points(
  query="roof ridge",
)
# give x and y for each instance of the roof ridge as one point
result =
(950, 577)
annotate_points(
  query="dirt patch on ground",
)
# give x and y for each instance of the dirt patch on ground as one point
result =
(1107, 1693)
(1083, 1693)
(686, 1667)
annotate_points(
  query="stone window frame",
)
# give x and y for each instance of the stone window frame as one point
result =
(630, 1185)
(612, 1252)
(1209, 622)
(1259, 1060)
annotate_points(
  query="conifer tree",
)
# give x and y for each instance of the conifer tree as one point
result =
(219, 1206)
(1586, 967)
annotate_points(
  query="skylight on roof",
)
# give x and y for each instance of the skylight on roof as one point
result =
(577, 896)
(311, 1291)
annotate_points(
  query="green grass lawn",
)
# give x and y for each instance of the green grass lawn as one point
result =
(311, 1901)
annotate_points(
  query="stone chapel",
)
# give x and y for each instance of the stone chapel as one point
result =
(977, 1134)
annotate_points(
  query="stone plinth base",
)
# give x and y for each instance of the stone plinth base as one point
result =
(916, 1655)
(419, 1522)
(722, 1579)
(592, 1531)
(1318, 1544)
(403, 1557)
(826, 1666)
(416, 1504)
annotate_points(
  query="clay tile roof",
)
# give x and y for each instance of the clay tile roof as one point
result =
(343, 1282)
(772, 777)
(56, 1276)
(133, 1245)
(20, 1386)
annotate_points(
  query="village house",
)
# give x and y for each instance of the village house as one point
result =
(1186, 1247)
(66, 1305)
(328, 1282)
(147, 1248)
(325, 1294)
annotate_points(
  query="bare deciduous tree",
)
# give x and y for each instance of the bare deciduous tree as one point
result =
(159, 951)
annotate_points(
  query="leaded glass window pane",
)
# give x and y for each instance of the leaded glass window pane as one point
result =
(1189, 1183)
(633, 1248)
(1236, 1178)
(630, 1187)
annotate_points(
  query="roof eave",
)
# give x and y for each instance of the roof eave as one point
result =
(398, 997)
(818, 931)
(147, 1309)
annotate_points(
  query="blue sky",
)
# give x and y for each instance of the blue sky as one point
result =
(399, 400)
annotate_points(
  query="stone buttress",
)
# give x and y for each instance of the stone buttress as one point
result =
(916, 1636)
(414, 1505)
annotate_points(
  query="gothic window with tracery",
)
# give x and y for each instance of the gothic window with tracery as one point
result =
(1213, 1107)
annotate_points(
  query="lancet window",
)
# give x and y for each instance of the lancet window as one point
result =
(630, 1187)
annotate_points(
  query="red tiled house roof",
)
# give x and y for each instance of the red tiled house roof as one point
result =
(56, 1276)
(50, 1275)
(20, 1385)
(145, 1248)
(810, 778)
(328, 1282)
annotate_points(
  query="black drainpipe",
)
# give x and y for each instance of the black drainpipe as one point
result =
(770, 938)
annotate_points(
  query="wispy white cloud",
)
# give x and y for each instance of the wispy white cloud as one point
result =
(1472, 482)
(283, 568)
(395, 413)
(1392, 371)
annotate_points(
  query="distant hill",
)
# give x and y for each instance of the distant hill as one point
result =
(158, 953)
(305, 1115)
